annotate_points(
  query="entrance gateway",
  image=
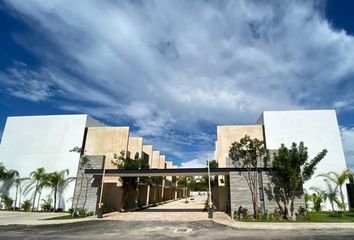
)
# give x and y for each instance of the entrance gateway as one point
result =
(226, 198)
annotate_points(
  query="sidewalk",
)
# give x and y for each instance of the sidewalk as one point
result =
(283, 226)
(36, 218)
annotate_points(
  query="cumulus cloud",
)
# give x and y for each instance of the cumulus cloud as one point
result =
(172, 65)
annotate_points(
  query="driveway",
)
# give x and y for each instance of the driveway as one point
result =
(202, 230)
(33, 218)
(172, 211)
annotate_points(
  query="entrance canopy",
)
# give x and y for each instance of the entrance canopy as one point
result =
(169, 172)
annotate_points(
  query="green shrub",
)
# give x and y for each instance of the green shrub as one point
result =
(242, 214)
(7, 201)
(302, 214)
(336, 214)
(277, 215)
(80, 212)
(47, 204)
(265, 216)
(26, 206)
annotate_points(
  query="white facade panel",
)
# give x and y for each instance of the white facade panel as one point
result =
(318, 129)
(44, 141)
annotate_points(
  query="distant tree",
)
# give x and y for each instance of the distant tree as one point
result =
(290, 171)
(339, 180)
(249, 153)
(184, 182)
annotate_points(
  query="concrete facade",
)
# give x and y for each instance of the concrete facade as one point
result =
(135, 147)
(31, 142)
(318, 129)
(148, 149)
(155, 159)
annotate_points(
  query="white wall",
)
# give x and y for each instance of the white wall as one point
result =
(44, 141)
(318, 129)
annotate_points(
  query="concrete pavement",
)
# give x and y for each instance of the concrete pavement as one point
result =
(200, 230)
(35, 218)
(177, 210)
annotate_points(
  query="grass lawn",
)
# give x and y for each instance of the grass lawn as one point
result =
(64, 217)
(326, 217)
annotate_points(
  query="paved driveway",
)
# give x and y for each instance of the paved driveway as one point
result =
(33, 218)
(203, 230)
(173, 211)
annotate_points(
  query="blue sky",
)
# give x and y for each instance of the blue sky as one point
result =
(173, 70)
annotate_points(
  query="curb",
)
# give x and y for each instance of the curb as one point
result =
(284, 226)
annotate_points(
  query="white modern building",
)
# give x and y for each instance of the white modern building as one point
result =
(318, 129)
(44, 141)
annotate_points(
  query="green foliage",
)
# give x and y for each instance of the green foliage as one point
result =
(249, 153)
(47, 204)
(58, 181)
(7, 201)
(329, 216)
(84, 212)
(2, 171)
(302, 214)
(242, 214)
(337, 214)
(26, 205)
(213, 164)
(129, 164)
(290, 170)
(339, 180)
(318, 198)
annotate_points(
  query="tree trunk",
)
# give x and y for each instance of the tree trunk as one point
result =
(155, 193)
(19, 198)
(148, 195)
(86, 191)
(39, 198)
(34, 196)
(15, 203)
(185, 191)
(287, 211)
(55, 198)
(332, 205)
(79, 194)
(342, 197)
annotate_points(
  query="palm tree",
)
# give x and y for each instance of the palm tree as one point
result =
(39, 178)
(2, 171)
(307, 198)
(339, 180)
(18, 184)
(318, 198)
(58, 182)
(8, 180)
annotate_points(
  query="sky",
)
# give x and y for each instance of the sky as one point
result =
(174, 70)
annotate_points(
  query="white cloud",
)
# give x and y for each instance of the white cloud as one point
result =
(178, 65)
(23, 83)
(347, 134)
